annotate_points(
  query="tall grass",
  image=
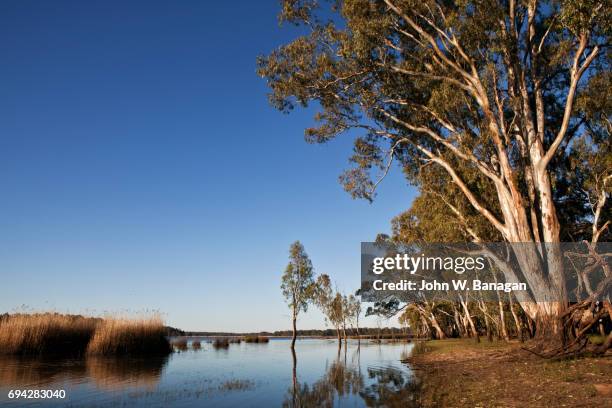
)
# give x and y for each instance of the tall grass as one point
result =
(145, 336)
(45, 333)
(59, 334)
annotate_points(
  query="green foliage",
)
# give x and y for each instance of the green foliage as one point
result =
(437, 85)
(297, 283)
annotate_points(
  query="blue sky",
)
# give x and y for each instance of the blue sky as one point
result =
(141, 167)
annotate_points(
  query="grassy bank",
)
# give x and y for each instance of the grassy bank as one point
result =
(60, 334)
(458, 373)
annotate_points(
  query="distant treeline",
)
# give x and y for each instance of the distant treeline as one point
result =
(364, 331)
(173, 331)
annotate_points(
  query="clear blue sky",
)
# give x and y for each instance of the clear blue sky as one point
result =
(142, 168)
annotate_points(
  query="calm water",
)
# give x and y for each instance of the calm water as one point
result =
(243, 375)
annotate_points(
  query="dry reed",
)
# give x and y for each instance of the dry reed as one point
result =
(145, 336)
(45, 333)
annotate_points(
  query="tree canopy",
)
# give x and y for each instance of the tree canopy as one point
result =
(297, 283)
(498, 110)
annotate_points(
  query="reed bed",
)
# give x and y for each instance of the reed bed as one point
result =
(61, 334)
(221, 343)
(256, 339)
(235, 340)
(145, 336)
(196, 345)
(179, 344)
(46, 333)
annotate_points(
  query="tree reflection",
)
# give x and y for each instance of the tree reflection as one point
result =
(386, 386)
(339, 380)
(391, 388)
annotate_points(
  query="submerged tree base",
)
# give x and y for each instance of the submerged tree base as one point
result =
(457, 373)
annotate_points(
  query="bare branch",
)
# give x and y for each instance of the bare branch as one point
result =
(429, 76)
(575, 73)
(601, 202)
(468, 156)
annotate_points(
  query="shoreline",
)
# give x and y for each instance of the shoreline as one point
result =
(461, 372)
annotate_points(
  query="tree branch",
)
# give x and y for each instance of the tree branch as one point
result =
(575, 75)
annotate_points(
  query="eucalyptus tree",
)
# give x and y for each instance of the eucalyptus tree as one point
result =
(353, 307)
(506, 102)
(297, 283)
(331, 303)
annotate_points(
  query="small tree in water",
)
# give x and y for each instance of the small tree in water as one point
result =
(297, 283)
(330, 303)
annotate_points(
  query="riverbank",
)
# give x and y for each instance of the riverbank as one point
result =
(459, 373)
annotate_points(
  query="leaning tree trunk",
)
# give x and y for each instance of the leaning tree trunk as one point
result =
(425, 326)
(502, 318)
(483, 308)
(459, 322)
(517, 322)
(502, 321)
(469, 318)
(434, 322)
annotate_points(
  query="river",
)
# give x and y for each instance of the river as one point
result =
(243, 375)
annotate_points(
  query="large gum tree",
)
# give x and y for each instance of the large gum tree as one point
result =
(506, 102)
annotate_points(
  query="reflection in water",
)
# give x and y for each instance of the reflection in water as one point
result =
(339, 379)
(106, 372)
(23, 372)
(316, 374)
(391, 389)
(388, 386)
(117, 374)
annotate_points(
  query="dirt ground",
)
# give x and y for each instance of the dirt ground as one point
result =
(463, 373)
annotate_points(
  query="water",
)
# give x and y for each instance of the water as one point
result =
(244, 375)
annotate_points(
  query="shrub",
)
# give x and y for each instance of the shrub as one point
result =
(221, 343)
(256, 339)
(179, 344)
